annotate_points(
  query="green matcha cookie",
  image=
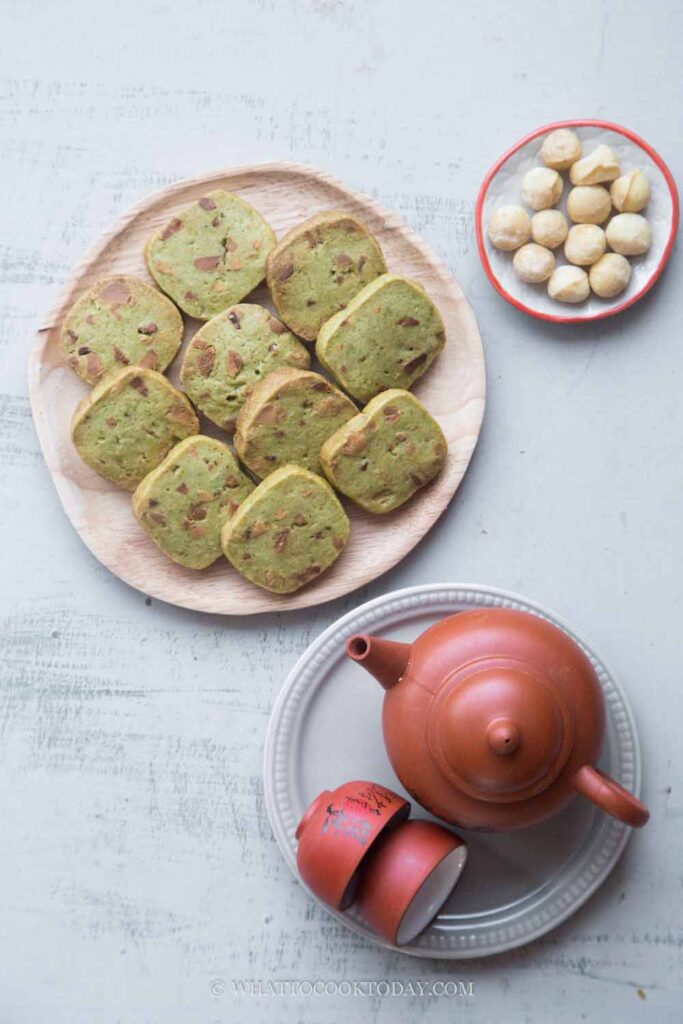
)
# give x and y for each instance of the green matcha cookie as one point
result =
(383, 455)
(286, 419)
(120, 321)
(316, 269)
(211, 255)
(129, 422)
(287, 531)
(231, 354)
(188, 498)
(387, 337)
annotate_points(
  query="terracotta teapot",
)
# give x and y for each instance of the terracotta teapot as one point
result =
(493, 719)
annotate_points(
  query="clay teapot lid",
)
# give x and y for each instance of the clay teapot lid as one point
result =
(480, 721)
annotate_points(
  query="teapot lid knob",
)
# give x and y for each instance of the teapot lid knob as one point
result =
(503, 736)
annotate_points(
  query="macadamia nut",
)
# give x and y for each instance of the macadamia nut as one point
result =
(629, 234)
(631, 192)
(610, 275)
(569, 284)
(549, 228)
(532, 263)
(541, 188)
(585, 244)
(509, 227)
(600, 165)
(589, 204)
(561, 149)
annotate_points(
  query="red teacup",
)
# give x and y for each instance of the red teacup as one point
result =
(408, 878)
(337, 832)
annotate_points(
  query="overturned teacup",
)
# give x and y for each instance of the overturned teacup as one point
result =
(337, 832)
(356, 845)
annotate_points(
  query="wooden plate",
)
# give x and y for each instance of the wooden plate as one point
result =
(453, 390)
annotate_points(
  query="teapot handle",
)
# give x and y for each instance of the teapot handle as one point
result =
(609, 796)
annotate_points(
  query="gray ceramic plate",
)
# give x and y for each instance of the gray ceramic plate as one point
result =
(326, 729)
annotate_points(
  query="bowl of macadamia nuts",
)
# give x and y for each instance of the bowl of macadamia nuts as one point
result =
(576, 221)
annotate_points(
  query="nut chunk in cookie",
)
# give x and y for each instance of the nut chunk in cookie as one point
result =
(184, 503)
(129, 422)
(233, 353)
(286, 420)
(387, 337)
(211, 254)
(386, 453)
(287, 532)
(318, 267)
(120, 321)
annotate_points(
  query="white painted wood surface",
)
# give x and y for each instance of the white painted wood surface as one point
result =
(137, 866)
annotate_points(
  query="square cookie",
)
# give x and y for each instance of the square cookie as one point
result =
(317, 268)
(233, 353)
(286, 420)
(287, 532)
(387, 337)
(120, 321)
(211, 255)
(386, 453)
(129, 422)
(184, 503)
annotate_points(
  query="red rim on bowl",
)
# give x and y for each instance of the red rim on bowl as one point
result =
(584, 123)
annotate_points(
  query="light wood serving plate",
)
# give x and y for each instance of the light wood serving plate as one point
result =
(453, 391)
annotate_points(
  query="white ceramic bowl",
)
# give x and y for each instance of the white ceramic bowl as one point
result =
(502, 185)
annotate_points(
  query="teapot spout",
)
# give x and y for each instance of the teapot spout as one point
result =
(386, 660)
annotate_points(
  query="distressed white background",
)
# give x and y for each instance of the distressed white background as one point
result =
(136, 861)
